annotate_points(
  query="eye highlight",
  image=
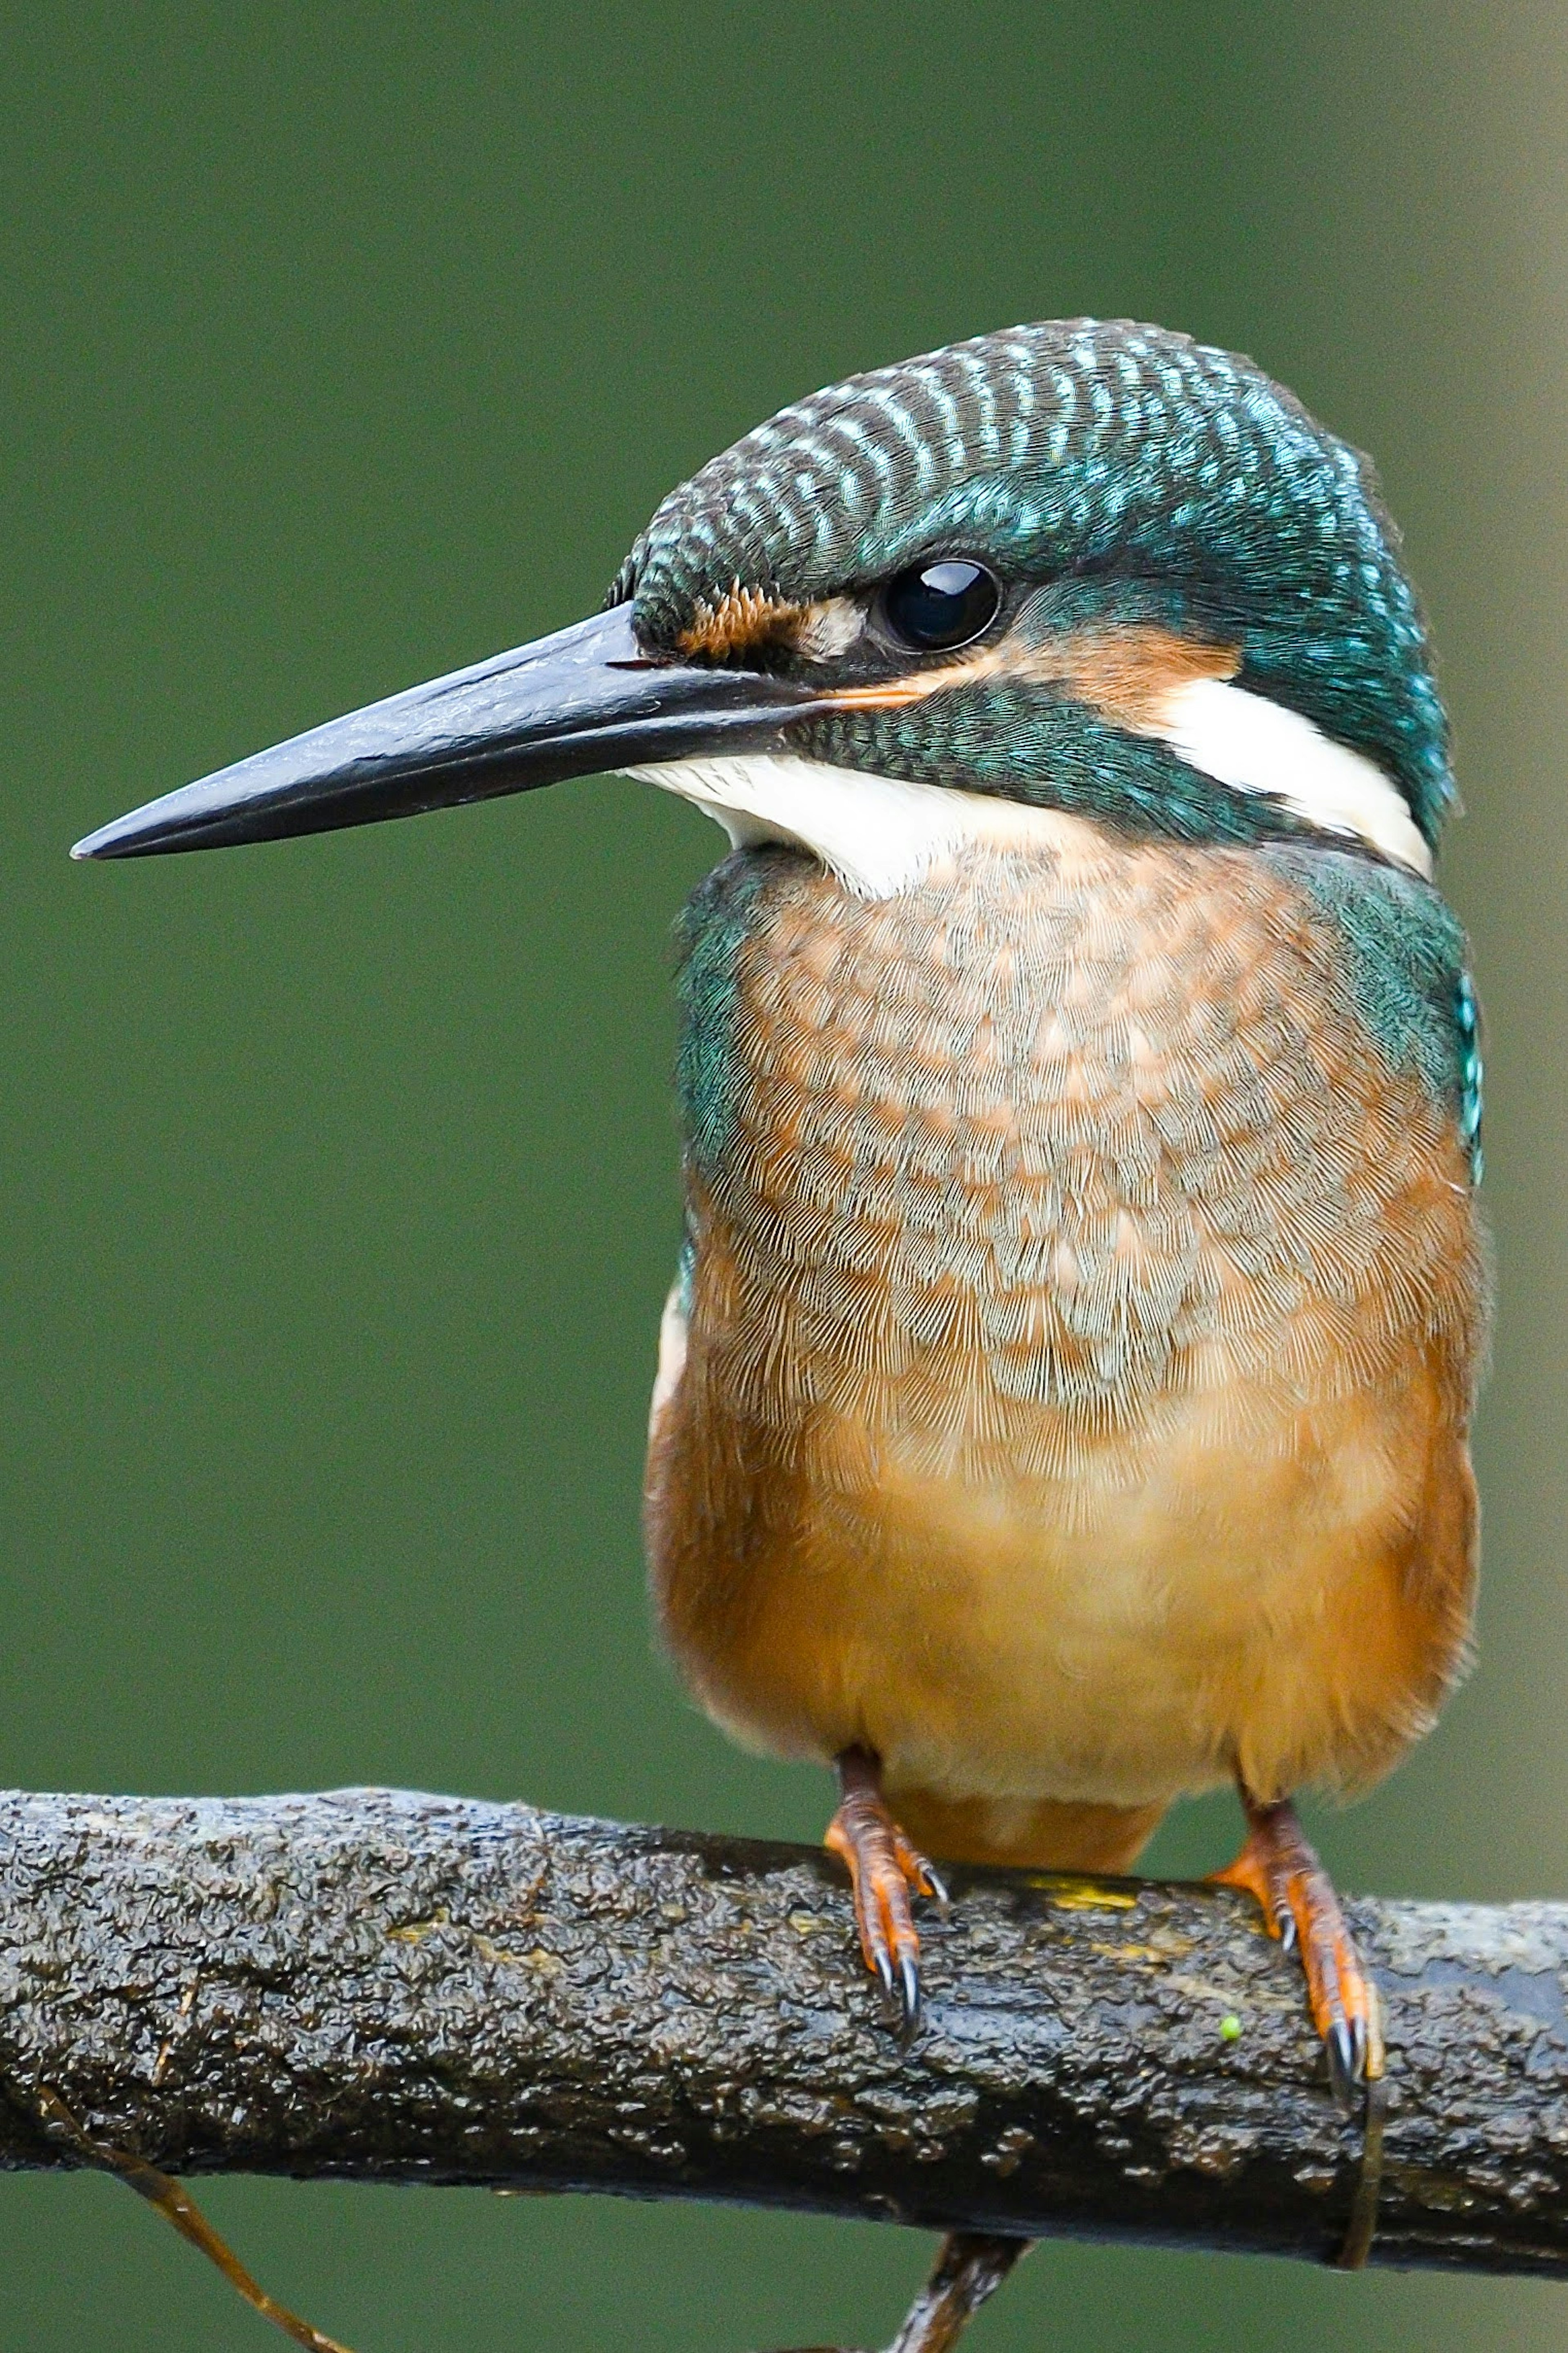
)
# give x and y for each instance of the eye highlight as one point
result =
(934, 607)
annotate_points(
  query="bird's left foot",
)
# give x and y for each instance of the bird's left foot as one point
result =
(886, 1872)
(1281, 1868)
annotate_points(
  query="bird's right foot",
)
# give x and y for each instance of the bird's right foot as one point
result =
(1281, 1870)
(886, 1872)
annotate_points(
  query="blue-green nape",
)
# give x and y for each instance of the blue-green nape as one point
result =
(1125, 461)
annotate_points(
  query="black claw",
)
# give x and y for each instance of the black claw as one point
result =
(909, 1980)
(938, 1886)
(1286, 1932)
(884, 1966)
(1347, 2058)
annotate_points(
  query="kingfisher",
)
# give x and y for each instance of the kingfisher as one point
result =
(1063, 1402)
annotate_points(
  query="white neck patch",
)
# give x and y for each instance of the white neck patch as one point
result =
(881, 834)
(1253, 745)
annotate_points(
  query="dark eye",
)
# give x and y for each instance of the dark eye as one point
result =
(935, 606)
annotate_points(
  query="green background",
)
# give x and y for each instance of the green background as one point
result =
(337, 1179)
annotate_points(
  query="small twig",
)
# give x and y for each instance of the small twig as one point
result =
(179, 2209)
(971, 2267)
(1362, 2229)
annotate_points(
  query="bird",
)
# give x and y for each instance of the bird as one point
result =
(1063, 1402)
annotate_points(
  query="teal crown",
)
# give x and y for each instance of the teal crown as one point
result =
(1136, 473)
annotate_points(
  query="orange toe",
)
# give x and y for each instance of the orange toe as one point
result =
(886, 1872)
(1279, 1868)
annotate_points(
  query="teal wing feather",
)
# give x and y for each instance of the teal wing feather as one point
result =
(1402, 955)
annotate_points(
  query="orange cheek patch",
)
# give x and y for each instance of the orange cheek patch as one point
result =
(1126, 672)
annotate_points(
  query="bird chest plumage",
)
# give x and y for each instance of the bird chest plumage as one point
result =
(1080, 1293)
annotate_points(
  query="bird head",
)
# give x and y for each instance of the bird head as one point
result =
(1088, 568)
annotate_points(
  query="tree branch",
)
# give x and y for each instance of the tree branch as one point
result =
(386, 1987)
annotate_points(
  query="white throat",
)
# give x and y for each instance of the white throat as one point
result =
(881, 834)
(878, 834)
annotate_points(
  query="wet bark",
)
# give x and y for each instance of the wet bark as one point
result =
(386, 1987)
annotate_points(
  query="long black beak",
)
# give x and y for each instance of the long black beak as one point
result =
(577, 704)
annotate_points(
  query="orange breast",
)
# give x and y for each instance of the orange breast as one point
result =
(1073, 1396)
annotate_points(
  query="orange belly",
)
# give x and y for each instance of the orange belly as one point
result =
(1072, 1401)
(1290, 1604)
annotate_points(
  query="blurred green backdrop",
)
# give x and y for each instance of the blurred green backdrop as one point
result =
(343, 345)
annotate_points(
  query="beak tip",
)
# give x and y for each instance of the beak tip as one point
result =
(94, 845)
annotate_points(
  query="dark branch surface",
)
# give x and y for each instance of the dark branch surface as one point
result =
(388, 1987)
